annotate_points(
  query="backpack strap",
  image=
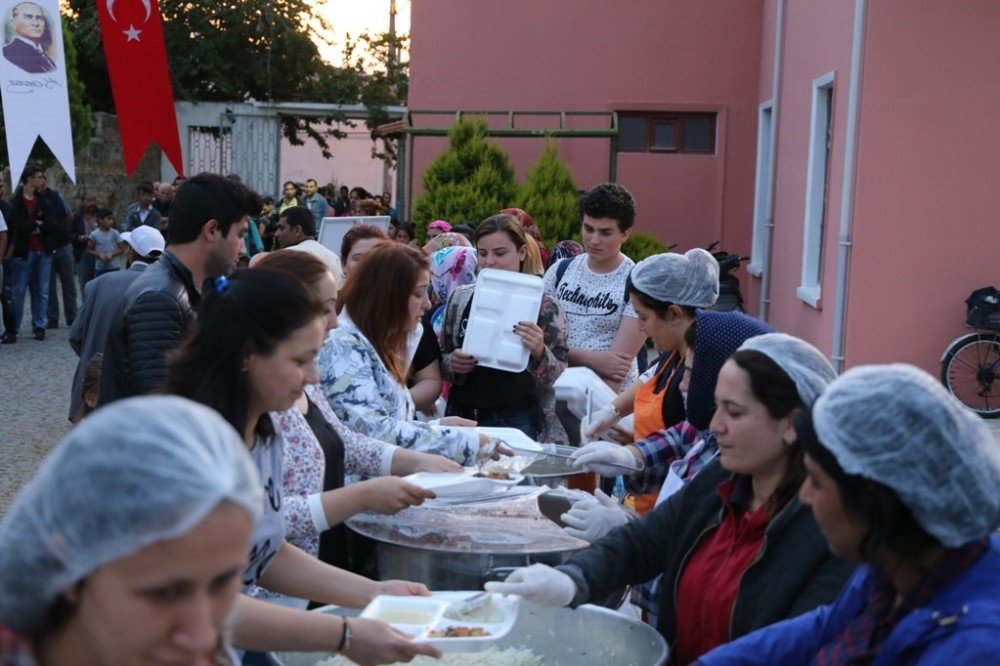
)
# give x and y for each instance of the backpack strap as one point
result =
(561, 269)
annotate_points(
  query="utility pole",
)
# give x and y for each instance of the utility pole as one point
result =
(393, 55)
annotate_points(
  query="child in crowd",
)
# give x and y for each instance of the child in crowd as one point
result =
(105, 243)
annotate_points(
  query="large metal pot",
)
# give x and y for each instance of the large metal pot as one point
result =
(462, 546)
(561, 637)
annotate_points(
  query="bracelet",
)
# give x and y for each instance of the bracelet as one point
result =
(345, 637)
(615, 412)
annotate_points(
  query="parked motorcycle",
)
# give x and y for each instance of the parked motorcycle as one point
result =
(730, 294)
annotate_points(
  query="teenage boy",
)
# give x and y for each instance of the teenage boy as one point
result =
(602, 328)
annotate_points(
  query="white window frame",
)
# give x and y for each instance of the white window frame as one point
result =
(817, 175)
(762, 187)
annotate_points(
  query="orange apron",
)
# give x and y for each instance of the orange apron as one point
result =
(647, 417)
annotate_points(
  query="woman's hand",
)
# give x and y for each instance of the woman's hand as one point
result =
(462, 363)
(401, 588)
(390, 494)
(491, 448)
(374, 642)
(532, 337)
(621, 434)
(457, 422)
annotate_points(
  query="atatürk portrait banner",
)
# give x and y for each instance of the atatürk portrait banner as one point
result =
(33, 83)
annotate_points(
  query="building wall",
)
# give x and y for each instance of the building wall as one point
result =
(817, 41)
(928, 189)
(603, 56)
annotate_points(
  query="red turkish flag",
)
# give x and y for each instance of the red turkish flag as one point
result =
(132, 31)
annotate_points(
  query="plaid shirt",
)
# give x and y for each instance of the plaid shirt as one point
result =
(15, 648)
(860, 641)
(660, 450)
(705, 448)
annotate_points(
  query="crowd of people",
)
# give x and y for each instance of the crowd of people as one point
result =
(229, 420)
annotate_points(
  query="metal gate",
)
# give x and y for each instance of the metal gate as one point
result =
(255, 150)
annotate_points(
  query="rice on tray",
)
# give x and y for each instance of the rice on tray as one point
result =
(492, 656)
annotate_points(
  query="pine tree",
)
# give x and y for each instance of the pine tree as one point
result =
(470, 181)
(550, 196)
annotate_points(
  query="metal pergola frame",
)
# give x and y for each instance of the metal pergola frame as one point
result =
(409, 131)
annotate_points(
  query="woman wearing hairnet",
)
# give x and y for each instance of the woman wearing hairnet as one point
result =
(253, 351)
(736, 548)
(666, 291)
(128, 545)
(906, 480)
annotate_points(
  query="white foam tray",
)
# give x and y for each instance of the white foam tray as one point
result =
(501, 300)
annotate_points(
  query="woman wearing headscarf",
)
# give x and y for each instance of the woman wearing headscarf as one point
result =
(564, 249)
(122, 533)
(735, 546)
(447, 239)
(904, 479)
(530, 228)
(524, 400)
(436, 228)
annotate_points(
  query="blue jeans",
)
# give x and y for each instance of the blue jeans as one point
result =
(525, 421)
(31, 272)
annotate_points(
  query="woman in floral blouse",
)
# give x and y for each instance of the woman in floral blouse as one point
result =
(523, 400)
(364, 362)
(321, 454)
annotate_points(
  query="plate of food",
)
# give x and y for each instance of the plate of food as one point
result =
(460, 629)
(470, 481)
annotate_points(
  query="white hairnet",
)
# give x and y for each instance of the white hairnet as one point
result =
(805, 364)
(689, 279)
(131, 474)
(898, 426)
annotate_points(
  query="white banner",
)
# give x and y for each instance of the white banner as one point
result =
(33, 83)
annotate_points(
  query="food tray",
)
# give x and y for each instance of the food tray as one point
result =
(411, 615)
(501, 300)
(450, 484)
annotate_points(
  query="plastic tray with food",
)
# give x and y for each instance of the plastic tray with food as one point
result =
(467, 482)
(413, 616)
(475, 629)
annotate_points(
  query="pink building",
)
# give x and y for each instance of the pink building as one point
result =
(861, 130)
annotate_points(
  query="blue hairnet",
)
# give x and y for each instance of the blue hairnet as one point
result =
(131, 474)
(803, 363)
(898, 426)
(690, 279)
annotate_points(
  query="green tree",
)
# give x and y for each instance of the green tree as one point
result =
(472, 180)
(265, 50)
(550, 196)
(81, 121)
(642, 244)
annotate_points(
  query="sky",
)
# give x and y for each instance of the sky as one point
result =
(354, 17)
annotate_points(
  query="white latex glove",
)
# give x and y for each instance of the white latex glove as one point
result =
(539, 584)
(599, 423)
(592, 518)
(605, 458)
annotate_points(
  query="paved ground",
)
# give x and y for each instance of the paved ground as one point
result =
(35, 382)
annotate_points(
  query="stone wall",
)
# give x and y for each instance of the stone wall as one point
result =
(100, 168)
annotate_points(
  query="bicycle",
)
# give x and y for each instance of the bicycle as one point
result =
(970, 365)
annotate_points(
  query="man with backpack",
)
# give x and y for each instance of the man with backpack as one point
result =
(602, 328)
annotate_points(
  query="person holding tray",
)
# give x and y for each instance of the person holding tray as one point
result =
(522, 400)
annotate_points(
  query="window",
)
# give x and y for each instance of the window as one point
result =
(817, 184)
(666, 133)
(762, 190)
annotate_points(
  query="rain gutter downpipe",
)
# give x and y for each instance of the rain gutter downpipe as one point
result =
(772, 159)
(844, 241)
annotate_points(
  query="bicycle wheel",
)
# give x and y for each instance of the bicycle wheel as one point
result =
(971, 371)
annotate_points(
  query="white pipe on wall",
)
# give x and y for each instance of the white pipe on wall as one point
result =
(844, 241)
(772, 159)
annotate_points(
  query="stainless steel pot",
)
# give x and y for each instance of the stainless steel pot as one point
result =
(460, 547)
(586, 636)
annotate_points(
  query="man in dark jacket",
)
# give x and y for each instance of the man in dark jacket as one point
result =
(208, 219)
(35, 224)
